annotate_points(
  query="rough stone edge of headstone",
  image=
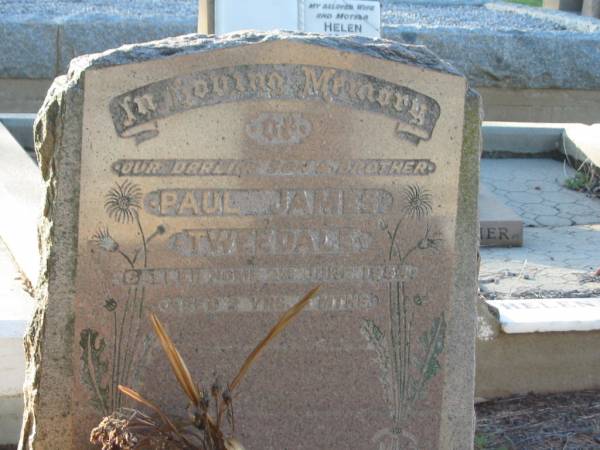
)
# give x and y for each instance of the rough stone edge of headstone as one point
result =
(458, 420)
(79, 37)
(416, 55)
(50, 336)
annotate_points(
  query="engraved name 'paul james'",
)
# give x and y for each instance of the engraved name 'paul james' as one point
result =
(283, 202)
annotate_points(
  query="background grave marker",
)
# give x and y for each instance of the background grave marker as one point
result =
(332, 17)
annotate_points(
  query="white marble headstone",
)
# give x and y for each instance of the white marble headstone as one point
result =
(546, 315)
(261, 15)
(362, 17)
(332, 17)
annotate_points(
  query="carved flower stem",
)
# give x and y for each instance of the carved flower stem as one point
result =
(128, 341)
(127, 258)
(113, 381)
(132, 346)
(406, 332)
(395, 353)
(93, 376)
(400, 331)
(396, 332)
(139, 224)
(395, 348)
(119, 346)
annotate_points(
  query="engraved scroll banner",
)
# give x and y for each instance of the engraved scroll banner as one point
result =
(416, 114)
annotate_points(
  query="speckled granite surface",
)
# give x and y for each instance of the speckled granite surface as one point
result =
(495, 45)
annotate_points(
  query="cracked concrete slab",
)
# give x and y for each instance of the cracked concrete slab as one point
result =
(561, 252)
(555, 262)
(534, 189)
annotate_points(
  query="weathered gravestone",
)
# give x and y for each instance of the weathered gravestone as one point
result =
(214, 181)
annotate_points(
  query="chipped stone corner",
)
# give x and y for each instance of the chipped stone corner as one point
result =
(47, 342)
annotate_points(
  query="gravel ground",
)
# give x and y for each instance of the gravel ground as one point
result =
(464, 17)
(464, 14)
(566, 421)
(21, 9)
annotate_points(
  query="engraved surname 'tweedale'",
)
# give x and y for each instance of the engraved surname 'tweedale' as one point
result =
(270, 242)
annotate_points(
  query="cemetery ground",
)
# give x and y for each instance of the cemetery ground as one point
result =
(552, 421)
(558, 259)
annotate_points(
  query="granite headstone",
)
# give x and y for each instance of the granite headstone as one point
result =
(215, 180)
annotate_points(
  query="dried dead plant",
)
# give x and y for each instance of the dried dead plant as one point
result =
(210, 411)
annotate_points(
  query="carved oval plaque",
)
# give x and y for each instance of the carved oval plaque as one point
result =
(274, 128)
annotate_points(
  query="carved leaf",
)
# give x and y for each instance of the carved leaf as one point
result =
(94, 368)
(433, 341)
(377, 342)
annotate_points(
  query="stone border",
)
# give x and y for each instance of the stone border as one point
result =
(517, 139)
(514, 364)
(538, 356)
(579, 143)
(20, 195)
(20, 126)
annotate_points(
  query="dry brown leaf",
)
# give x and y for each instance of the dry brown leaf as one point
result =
(233, 444)
(285, 319)
(138, 398)
(177, 364)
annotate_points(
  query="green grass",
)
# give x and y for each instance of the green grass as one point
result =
(482, 443)
(536, 3)
(578, 182)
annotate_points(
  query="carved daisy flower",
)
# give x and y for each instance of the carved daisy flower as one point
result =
(105, 241)
(418, 201)
(123, 201)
